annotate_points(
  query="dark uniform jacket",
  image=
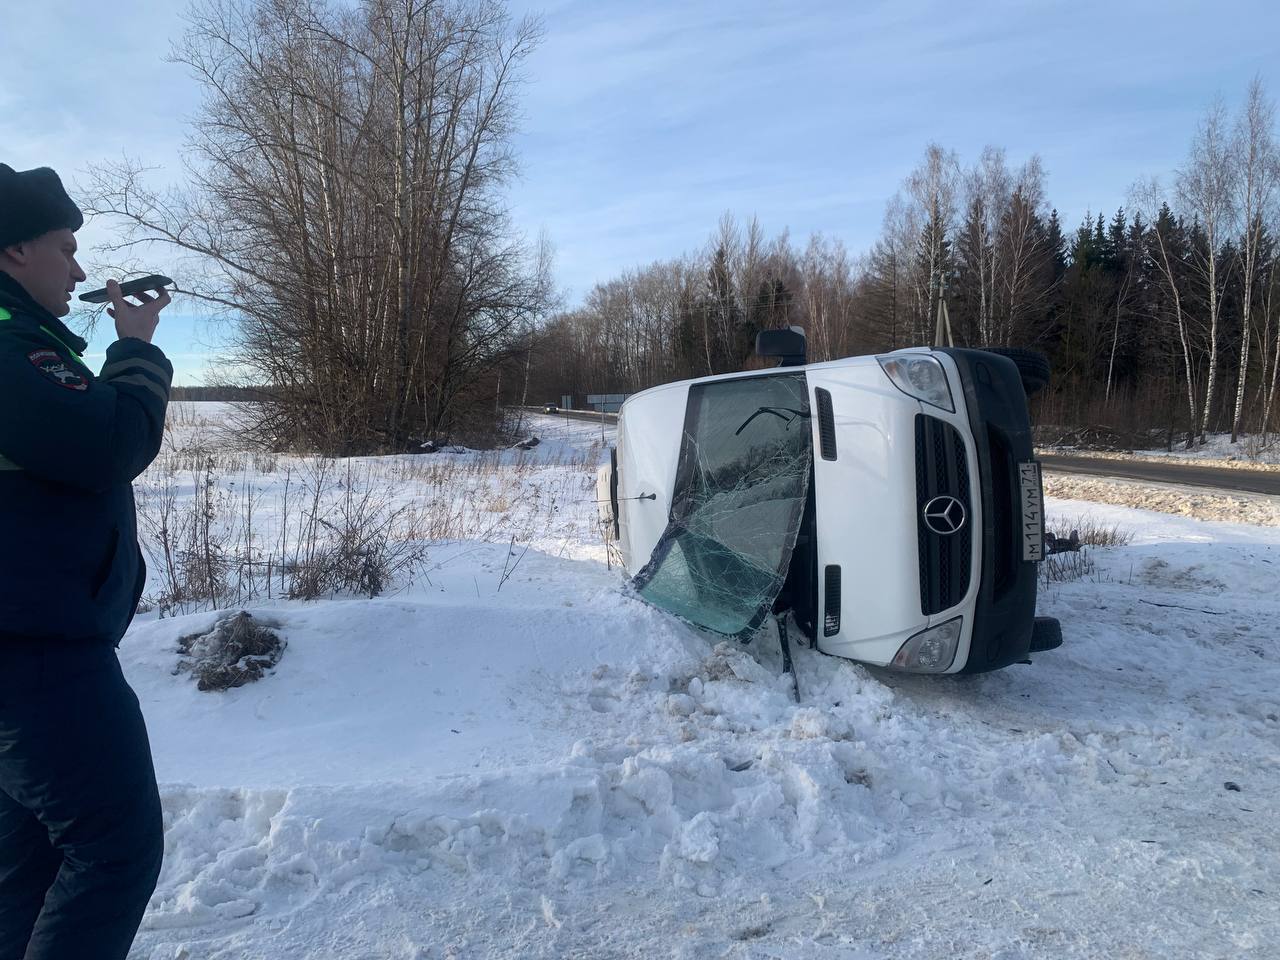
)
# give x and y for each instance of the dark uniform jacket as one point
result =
(71, 444)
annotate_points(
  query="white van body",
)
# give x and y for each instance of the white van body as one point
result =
(869, 500)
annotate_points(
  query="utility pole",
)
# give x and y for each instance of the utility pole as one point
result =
(944, 318)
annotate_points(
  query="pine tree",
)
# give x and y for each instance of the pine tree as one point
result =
(1057, 246)
(883, 294)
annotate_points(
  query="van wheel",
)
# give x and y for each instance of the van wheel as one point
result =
(1046, 634)
(1033, 367)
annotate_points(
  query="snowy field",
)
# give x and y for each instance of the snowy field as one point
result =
(513, 757)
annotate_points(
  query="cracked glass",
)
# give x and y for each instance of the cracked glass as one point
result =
(739, 496)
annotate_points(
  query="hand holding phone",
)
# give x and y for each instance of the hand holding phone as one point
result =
(153, 281)
(135, 320)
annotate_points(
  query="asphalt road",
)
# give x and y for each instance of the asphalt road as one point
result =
(1221, 478)
(584, 415)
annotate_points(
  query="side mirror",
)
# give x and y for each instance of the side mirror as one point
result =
(787, 344)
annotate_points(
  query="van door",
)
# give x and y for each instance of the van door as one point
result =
(737, 504)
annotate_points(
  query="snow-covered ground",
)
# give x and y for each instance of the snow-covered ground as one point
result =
(514, 757)
(1247, 451)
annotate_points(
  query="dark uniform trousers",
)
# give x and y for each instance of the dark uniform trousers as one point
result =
(81, 834)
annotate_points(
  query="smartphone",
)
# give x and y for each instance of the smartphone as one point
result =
(152, 282)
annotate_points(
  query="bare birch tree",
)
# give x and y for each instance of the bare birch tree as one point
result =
(1270, 309)
(1024, 254)
(1205, 187)
(987, 190)
(1253, 155)
(827, 292)
(928, 215)
(1146, 196)
(932, 187)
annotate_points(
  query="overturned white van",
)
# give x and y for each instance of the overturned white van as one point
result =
(892, 504)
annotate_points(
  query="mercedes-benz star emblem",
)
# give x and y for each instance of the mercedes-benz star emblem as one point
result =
(944, 515)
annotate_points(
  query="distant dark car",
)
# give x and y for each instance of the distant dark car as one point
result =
(550, 408)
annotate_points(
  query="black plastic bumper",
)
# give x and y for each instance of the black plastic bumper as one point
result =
(1004, 615)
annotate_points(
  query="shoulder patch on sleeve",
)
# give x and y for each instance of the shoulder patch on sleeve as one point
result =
(58, 370)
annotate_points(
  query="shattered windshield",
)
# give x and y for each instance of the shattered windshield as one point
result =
(735, 512)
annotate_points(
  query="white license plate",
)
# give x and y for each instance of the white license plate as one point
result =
(1032, 517)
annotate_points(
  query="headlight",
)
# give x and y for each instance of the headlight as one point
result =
(932, 650)
(921, 377)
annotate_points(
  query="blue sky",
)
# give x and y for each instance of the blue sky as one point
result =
(644, 122)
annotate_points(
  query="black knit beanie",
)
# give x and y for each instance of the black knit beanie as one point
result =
(32, 203)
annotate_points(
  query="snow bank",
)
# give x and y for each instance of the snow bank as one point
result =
(1185, 501)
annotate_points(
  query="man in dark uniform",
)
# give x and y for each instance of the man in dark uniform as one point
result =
(81, 836)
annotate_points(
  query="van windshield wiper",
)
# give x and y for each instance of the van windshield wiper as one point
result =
(780, 413)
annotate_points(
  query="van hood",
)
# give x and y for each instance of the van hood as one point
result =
(866, 513)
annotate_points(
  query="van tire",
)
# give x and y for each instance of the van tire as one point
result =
(1033, 367)
(1045, 635)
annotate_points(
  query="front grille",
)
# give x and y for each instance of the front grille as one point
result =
(831, 601)
(942, 470)
(1003, 519)
(826, 425)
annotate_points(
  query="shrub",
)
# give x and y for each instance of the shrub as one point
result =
(238, 650)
